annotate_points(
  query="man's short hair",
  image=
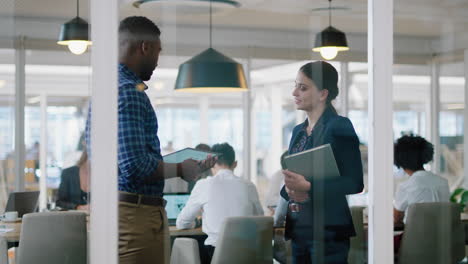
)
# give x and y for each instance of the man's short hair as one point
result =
(203, 147)
(138, 28)
(412, 152)
(227, 155)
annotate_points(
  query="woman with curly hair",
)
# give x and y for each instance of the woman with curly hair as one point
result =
(411, 153)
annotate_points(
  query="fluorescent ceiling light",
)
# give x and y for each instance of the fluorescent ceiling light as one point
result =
(34, 100)
(455, 106)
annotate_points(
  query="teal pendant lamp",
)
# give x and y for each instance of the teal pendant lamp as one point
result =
(330, 40)
(74, 34)
(210, 72)
(139, 3)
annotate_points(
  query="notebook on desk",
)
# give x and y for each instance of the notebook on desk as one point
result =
(175, 203)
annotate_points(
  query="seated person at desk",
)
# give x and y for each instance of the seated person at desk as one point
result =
(74, 186)
(410, 154)
(218, 197)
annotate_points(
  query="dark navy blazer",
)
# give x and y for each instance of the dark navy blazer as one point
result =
(328, 206)
(70, 194)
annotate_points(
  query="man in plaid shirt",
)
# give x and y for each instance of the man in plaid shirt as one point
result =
(143, 227)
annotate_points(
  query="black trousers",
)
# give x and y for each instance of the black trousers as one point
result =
(335, 251)
(207, 254)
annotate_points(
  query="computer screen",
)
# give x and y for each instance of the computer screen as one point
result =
(175, 203)
(22, 202)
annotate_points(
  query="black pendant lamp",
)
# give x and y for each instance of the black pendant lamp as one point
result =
(210, 72)
(330, 40)
(75, 34)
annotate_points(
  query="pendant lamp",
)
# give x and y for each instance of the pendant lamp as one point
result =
(225, 3)
(210, 72)
(330, 40)
(75, 34)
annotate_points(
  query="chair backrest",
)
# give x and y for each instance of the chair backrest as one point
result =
(433, 234)
(245, 240)
(185, 251)
(357, 253)
(53, 238)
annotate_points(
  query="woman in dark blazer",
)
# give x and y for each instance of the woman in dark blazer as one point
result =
(319, 220)
(74, 186)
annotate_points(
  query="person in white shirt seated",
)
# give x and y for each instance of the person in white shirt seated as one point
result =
(218, 197)
(410, 154)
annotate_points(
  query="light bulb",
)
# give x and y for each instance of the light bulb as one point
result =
(77, 47)
(329, 53)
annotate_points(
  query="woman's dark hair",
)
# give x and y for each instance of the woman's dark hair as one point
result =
(324, 76)
(412, 152)
(227, 155)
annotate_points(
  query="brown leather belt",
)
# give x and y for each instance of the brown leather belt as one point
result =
(141, 199)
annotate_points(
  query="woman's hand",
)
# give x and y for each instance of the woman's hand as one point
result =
(296, 182)
(297, 196)
(83, 207)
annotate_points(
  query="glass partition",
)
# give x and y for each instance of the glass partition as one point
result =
(429, 84)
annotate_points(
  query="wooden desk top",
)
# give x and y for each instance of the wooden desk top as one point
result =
(11, 236)
(185, 232)
(14, 235)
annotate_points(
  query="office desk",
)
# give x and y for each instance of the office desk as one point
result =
(185, 232)
(14, 236)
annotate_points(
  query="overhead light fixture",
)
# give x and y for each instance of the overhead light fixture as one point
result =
(330, 40)
(228, 3)
(75, 34)
(210, 72)
(34, 100)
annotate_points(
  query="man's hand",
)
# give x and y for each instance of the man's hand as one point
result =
(190, 169)
(208, 163)
(296, 182)
(297, 196)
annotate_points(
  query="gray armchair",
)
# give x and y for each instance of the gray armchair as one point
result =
(358, 250)
(53, 238)
(433, 235)
(245, 240)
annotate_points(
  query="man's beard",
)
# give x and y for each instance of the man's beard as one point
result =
(146, 75)
(146, 72)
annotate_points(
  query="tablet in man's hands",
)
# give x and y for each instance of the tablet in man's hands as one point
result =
(188, 153)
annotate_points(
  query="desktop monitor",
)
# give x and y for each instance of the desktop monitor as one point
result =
(175, 203)
(22, 202)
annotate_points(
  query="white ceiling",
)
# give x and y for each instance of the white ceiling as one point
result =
(269, 29)
(412, 17)
(274, 32)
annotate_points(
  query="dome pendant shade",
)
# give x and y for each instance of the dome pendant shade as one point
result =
(210, 71)
(75, 29)
(75, 33)
(330, 38)
(232, 3)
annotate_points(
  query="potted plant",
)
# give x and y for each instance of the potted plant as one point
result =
(460, 196)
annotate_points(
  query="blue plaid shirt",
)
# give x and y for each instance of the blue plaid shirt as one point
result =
(139, 150)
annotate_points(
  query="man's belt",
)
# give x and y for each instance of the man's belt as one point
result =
(141, 199)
